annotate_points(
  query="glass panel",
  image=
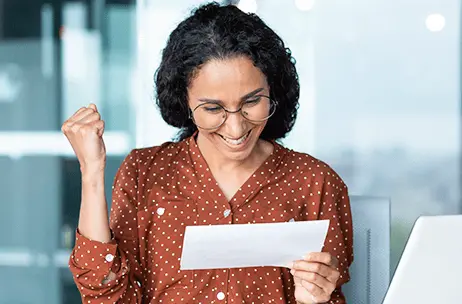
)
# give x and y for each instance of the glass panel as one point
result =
(55, 57)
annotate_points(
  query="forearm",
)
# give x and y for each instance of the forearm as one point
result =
(93, 220)
(105, 263)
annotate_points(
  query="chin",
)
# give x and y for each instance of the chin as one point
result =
(237, 150)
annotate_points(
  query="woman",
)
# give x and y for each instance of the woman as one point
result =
(230, 85)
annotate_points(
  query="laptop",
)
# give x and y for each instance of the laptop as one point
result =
(430, 269)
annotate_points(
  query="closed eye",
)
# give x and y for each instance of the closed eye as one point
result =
(212, 108)
(252, 101)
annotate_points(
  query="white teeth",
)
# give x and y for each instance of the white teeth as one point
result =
(236, 141)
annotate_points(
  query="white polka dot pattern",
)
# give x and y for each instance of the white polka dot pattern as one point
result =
(159, 191)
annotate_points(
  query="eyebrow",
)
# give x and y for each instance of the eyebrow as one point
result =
(246, 96)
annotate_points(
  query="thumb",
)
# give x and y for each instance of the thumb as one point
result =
(99, 127)
(101, 132)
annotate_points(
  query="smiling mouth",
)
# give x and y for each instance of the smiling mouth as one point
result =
(236, 142)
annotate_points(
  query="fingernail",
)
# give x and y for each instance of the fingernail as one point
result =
(307, 257)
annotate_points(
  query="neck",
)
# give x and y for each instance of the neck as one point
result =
(218, 162)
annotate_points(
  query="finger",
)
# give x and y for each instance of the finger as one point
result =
(318, 268)
(80, 115)
(319, 295)
(94, 127)
(93, 107)
(330, 273)
(316, 279)
(71, 119)
(90, 117)
(84, 112)
(79, 111)
(322, 257)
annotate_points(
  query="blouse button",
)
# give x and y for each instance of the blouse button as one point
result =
(109, 257)
(220, 296)
(227, 212)
(160, 211)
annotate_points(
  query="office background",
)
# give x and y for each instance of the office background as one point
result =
(380, 102)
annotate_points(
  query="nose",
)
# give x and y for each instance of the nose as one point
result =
(235, 125)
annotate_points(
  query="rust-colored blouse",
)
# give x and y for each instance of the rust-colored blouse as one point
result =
(159, 191)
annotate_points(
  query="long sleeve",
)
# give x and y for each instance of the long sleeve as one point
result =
(339, 240)
(91, 262)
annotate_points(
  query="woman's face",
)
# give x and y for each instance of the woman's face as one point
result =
(230, 83)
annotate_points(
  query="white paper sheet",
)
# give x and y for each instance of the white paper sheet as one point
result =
(251, 245)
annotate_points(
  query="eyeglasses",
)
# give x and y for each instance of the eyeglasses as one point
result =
(212, 115)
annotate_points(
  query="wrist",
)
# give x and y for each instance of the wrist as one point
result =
(92, 177)
(92, 171)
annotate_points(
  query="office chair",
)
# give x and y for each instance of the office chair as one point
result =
(370, 271)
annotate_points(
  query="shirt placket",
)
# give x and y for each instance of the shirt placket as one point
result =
(261, 177)
(214, 200)
(224, 211)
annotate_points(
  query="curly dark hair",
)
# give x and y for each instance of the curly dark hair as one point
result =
(215, 31)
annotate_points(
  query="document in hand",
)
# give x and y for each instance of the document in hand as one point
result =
(251, 245)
